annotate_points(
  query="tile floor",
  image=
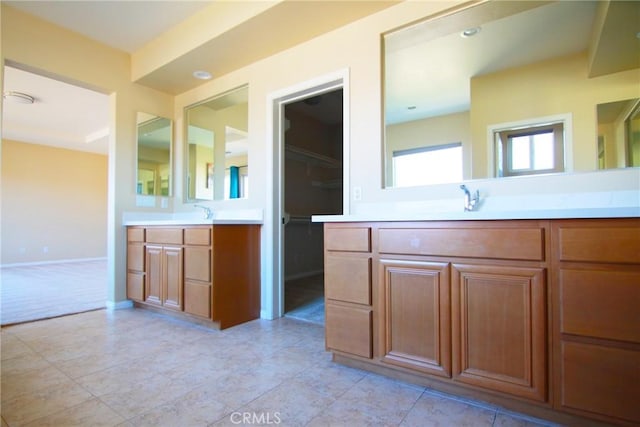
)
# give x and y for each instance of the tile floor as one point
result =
(304, 298)
(41, 291)
(136, 368)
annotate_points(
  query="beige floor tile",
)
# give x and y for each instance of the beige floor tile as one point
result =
(435, 410)
(332, 379)
(196, 408)
(11, 346)
(15, 385)
(23, 364)
(294, 403)
(37, 404)
(92, 413)
(373, 400)
(507, 420)
(145, 395)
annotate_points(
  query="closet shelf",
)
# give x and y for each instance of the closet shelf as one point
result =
(329, 184)
(300, 154)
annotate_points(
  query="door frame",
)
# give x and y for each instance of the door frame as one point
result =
(273, 303)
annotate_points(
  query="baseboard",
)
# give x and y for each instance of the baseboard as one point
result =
(59, 261)
(303, 275)
(111, 305)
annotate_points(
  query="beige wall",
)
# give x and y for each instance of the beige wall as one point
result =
(52, 198)
(561, 86)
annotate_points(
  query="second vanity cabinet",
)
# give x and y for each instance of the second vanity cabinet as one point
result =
(538, 315)
(207, 272)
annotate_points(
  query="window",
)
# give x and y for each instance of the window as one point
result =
(530, 150)
(435, 164)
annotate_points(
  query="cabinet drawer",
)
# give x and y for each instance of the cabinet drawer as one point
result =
(135, 286)
(601, 380)
(135, 234)
(601, 304)
(348, 329)
(600, 244)
(135, 257)
(197, 236)
(498, 243)
(348, 279)
(171, 236)
(197, 263)
(197, 299)
(357, 239)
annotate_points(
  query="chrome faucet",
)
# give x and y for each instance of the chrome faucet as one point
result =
(470, 201)
(207, 211)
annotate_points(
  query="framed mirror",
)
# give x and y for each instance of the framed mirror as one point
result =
(154, 155)
(217, 162)
(466, 93)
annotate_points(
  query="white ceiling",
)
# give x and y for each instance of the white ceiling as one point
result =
(63, 115)
(125, 25)
(68, 116)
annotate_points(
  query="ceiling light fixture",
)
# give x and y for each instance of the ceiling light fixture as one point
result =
(18, 97)
(202, 75)
(470, 32)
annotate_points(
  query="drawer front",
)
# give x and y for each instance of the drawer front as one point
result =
(348, 279)
(135, 286)
(600, 244)
(348, 329)
(601, 380)
(601, 304)
(197, 263)
(135, 234)
(197, 236)
(497, 243)
(347, 239)
(197, 299)
(135, 257)
(172, 236)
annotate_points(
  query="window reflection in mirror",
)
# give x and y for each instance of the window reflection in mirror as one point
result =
(154, 155)
(619, 134)
(217, 147)
(445, 84)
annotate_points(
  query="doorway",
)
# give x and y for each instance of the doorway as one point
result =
(312, 185)
(54, 197)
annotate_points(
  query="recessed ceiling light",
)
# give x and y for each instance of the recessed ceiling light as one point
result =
(470, 32)
(202, 75)
(18, 97)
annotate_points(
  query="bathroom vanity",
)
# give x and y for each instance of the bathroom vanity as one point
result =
(208, 273)
(538, 315)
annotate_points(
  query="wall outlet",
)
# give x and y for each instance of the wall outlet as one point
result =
(357, 193)
(45, 249)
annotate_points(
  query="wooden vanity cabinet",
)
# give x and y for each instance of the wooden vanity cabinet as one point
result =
(538, 316)
(466, 301)
(135, 264)
(205, 272)
(348, 307)
(596, 288)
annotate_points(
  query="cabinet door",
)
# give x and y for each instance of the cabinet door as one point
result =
(498, 325)
(172, 278)
(153, 261)
(416, 316)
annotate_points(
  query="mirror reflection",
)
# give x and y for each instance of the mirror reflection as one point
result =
(154, 155)
(508, 88)
(619, 134)
(217, 147)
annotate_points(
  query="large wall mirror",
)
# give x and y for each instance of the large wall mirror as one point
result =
(506, 88)
(217, 163)
(154, 155)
